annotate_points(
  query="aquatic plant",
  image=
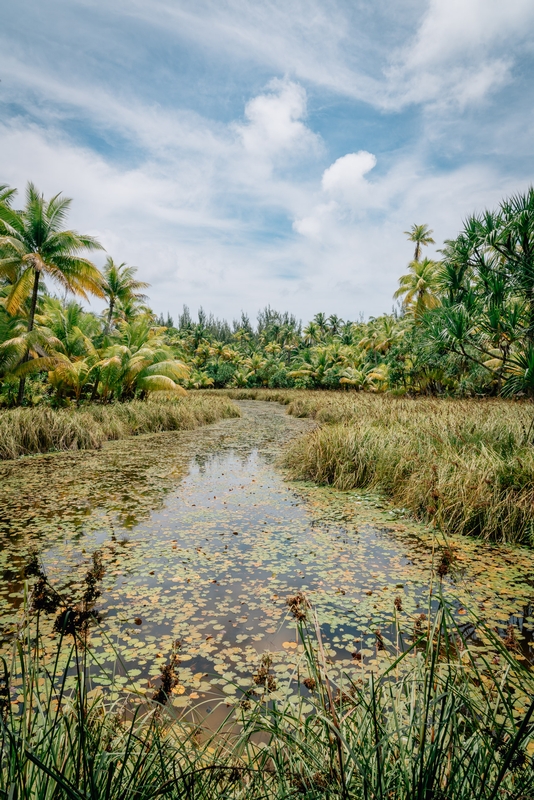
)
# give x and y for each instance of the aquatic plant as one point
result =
(440, 720)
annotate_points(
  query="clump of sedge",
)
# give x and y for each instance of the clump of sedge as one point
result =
(4, 694)
(169, 677)
(448, 557)
(418, 625)
(297, 605)
(263, 677)
(44, 597)
(77, 617)
(510, 640)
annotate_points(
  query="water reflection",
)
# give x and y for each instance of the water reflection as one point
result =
(203, 540)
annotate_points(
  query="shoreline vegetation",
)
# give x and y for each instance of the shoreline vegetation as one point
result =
(446, 714)
(28, 431)
(465, 465)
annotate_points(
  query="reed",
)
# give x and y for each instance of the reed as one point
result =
(465, 465)
(437, 720)
(24, 431)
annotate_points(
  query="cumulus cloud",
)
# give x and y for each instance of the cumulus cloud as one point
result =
(345, 178)
(275, 122)
(344, 192)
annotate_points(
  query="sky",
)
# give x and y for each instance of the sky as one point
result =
(242, 153)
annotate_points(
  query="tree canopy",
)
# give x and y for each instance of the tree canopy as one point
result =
(465, 324)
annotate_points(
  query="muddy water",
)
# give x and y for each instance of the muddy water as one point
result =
(203, 540)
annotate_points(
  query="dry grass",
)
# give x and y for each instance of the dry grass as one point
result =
(466, 465)
(283, 396)
(25, 431)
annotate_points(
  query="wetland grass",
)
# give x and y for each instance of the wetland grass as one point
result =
(24, 431)
(465, 465)
(437, 721)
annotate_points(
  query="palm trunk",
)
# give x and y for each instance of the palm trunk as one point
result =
(531, 315)
(110, 314)
(22, 382)
(94, 393)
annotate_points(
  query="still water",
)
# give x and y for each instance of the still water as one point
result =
(203, 540)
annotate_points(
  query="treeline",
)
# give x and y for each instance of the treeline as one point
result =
(464, 327)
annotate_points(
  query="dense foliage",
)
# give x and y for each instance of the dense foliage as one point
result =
(465, 325)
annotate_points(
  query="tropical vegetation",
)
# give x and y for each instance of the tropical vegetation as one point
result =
(464, 326)
(438, 718)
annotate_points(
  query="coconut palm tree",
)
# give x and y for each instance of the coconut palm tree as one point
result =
(419, 286)
(322, 323)
(34, 243)
(140, 361)
(335, 324)
(365, 377)
(121, 288)
(73, 326)
(311, 334)
(6, 195)
(422, 236)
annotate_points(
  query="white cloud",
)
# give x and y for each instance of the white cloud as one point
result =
(461, 51)
(205, 207)
(174, 214)
(389, 54)
(275, 124)
(345, 178)
(317, 41)
(355, 259)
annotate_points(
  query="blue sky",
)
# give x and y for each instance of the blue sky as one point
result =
(243, 153)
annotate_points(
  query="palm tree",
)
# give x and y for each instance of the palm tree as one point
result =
(74, 327)
(365, 377)
(120, 287)
(139, 362)
(6, 194)
(33, 242)
(422, 236)
(312, 334)
(418, 287)
(321, 322)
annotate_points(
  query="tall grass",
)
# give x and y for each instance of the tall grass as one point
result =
(435, 722)
(283, 396)
(39, 430)
(466, 465)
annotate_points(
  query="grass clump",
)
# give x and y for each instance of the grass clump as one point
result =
(465, 465)
(282, 396)
(436, 719)
(24, 431)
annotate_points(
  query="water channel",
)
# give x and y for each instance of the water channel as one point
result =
(203, 539)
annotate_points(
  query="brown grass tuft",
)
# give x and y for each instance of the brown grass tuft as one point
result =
(25, 431)
(463, 464)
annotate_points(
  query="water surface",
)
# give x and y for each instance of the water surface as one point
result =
(203, 540)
